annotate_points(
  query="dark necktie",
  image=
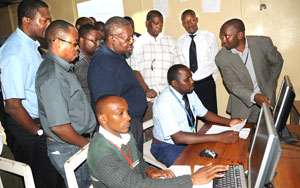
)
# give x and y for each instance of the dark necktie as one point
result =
(193, 55)
(188, 109)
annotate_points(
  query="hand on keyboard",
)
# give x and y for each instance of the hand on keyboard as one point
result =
(206, 174)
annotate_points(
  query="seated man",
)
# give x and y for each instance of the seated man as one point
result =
(114, 160)
(174, 115)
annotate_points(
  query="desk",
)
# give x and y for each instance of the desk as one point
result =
(288, 168)
(295, 113)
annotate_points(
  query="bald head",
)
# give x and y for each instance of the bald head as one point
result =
(104, 102)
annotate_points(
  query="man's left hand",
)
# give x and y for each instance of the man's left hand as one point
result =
(156, 173)
(235, 121)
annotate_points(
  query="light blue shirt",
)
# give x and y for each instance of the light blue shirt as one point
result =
(19, 62)
(169, 116)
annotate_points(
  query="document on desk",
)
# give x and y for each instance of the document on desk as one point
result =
(243, 132)
(180, 170)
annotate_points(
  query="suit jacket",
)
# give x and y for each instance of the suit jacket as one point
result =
(267, 63)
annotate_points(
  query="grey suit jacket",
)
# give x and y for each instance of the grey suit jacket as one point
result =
(267, 63)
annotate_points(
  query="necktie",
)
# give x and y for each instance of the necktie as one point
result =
(188, 109)
(193, 55)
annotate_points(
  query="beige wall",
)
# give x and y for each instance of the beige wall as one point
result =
(280, 21)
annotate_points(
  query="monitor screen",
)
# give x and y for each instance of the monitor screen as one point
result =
(283, 107)
(265, 151)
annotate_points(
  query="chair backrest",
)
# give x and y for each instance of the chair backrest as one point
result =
(72, 163)
(18, 168)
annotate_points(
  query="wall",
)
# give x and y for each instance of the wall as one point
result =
(280, 21)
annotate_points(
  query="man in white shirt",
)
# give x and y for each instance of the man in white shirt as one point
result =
(153, 54)
(199, 48)
(174, 118)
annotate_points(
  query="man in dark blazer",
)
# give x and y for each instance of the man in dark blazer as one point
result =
(250, 67)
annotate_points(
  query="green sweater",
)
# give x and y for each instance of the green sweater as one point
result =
(109, 168)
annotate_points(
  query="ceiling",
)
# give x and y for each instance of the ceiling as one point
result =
(7, 2)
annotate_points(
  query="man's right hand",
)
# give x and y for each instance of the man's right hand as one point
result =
(260, 98)
(205, 174)
(150, 93)
(229, 137)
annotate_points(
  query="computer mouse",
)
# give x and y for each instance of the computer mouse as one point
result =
(208, 153)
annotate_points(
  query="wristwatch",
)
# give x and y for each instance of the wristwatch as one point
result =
(40, 132)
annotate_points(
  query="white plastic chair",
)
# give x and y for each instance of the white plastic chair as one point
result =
(148, 157)
(72, 163)
(18, 168)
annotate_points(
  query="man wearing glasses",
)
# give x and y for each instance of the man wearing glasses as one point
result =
(89, 42)
(109, 73)
(66, 115)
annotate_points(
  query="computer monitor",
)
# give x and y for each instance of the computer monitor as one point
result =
(282, 109)
(265, 151)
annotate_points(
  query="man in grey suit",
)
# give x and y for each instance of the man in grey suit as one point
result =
(250, 67)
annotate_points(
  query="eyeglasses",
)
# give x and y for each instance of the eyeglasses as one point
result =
(129, 39)
(97, 42)
(74, 44)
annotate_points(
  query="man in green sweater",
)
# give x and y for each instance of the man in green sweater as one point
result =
(114, 160)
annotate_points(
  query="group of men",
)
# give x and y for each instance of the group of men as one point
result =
(51, 103)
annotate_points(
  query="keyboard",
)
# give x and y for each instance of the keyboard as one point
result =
(234, 178)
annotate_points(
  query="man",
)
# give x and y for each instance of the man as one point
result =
(66, 115)
(100, 26)
(89, 42)
(82, 21)
(153, 54)
(114, 160)
(174, 114)
(20, 60)
(199, 48)
(135, 34)
(109, 73)
(250, 66)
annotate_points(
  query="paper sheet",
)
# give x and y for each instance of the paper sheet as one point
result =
(180, 170)
(211, 6)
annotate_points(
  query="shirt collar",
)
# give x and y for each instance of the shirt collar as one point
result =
(31, 43)
(61, 62)
(179, 95)
(152, 38)
(125, 138)
(196, 33)
(235, 51)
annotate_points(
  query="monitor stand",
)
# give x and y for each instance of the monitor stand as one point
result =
(288, 137)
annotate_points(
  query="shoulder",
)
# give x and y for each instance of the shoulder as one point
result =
(182, 38)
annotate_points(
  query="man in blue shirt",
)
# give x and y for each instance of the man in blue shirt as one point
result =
(174, 117)
(20, 60)
(109, 73)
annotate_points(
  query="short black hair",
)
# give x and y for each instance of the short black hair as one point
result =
(173, 72)
(98, 107)
(99, 24)
(85, 29)
(153, 14)
(57, 29)
(128, 18)
(236, 23)
(114, 22)
(82, 21)
(29, 8)
(188, 12)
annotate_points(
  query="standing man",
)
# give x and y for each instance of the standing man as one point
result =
(66, 115)
(109, 73)
(153, 54)
(199, 48)
(20, 60)
(174, 115)
(250, 66)
(82, 21)
(89, 42)
(135, 34)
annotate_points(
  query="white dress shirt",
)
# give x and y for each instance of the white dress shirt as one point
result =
(125, 138)
(169, 116)
(207, 47)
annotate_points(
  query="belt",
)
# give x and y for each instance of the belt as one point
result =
(204, 79)
(157, 141)
(86, 135)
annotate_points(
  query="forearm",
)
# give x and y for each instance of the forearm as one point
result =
(212, 117)
(16, 110)
(69, 135)
(141, 80)
(192, 138)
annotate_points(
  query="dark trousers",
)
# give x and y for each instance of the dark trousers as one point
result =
(136, 128)
(206, 91)
(32, 150)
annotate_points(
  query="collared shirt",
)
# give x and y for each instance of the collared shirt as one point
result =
(109, 73)
(81, 68)
(20, 59)
(153, 57)
(246, 58)
(125, 138)
(61, 99)
(169, 116)
(207, 47)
